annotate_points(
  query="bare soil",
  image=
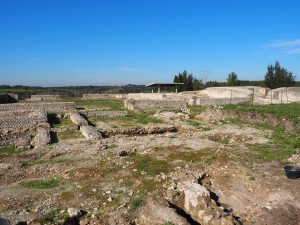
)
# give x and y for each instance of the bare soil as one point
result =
(113, 187)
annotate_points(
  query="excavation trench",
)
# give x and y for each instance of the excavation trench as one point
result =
(139, 131)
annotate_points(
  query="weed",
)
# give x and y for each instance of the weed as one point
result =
(69, 134)
(193, 123)
(210, 160)
(150, 165)
(42, 161)
(55, 214)
(112, 146)
(136, 203)
(197, 109)
(128, 183)
(41, 184)
(252, 178)
(168, 223)
(11, 150)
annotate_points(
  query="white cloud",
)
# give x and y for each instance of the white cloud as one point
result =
(126, 69)
(288, 47)
(285, 44)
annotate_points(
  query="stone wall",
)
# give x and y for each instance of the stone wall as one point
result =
(7, 98)
(219, 101)
(48, 107)
(44, 97)
(103, 96)
(16, 127)
(104, 113)
(285, 95)
(42, 137)
(90, 132)
(78, 119)
(227, 92)
(152, 104)
(21, 119)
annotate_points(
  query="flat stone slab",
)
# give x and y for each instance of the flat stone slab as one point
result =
(90, 132)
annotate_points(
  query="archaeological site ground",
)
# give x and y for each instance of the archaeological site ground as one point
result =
(152, 159)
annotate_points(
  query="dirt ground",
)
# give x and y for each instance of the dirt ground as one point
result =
(113, 179)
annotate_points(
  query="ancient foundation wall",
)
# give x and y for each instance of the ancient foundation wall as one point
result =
(44, 97)
(77, 118)
(218, 101)
(16, 127)
(7, 98)
(90, 132)
(227, 92)
(286, 95)
(48, 107)
(104, 113)
(144, 104)
(103, 96)
(21, 119)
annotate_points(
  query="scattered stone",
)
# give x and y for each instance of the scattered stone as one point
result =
(73, 212)
(5, 166)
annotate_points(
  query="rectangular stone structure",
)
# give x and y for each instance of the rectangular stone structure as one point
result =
(44, 106)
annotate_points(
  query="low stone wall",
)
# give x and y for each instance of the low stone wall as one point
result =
(78, 119)
(90, 132)
(16, 128)
(44, 97)
(42, 138)
(227, 92)
(151, 104)
(219, 101)
(104, 113)
(103, 96)
(19, 138)
(48, 107)
(21, 119)
(7, 98)
(286, 95)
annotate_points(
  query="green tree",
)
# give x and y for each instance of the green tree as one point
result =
(277, 76)
(190, 83)
(232, 79)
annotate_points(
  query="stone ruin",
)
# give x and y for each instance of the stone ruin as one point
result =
(8, 98)
(212, 96)
(45, 98)
(23, 125)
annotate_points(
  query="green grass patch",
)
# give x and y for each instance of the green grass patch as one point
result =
(197, 109)
(269, 152)
(42, 161)
(69, 134)
(12, 150)
(135, 204)
(111, 104)
(57, 123)
(289, 111)
(132, 119)
(281, 146)
(55, 214)
(41, 184)
(149, 164)
(112, 146)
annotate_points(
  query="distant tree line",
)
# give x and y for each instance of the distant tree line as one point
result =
(275, 77)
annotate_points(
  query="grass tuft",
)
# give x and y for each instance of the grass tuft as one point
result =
(41, 184)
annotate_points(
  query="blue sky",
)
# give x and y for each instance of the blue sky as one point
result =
(73, 42)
